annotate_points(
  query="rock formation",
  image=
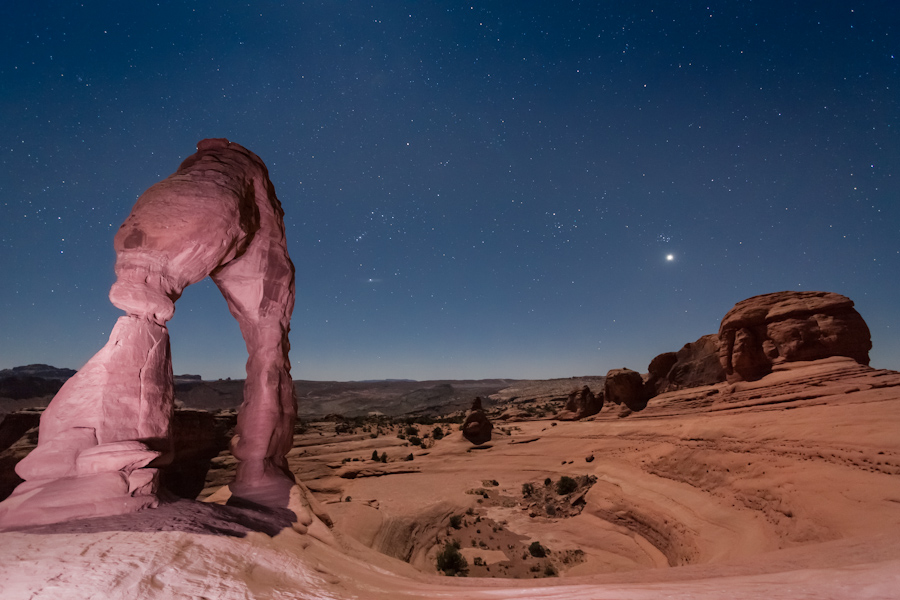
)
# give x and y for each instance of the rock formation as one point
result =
(771, 329)
(107, 431)
(624, 386)
(580, 404)
(477, 428)
(696, 364)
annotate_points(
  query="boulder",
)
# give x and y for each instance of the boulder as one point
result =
(772, 329)
(477, 428)
(624, 386)
(696, 364)
(580, 404)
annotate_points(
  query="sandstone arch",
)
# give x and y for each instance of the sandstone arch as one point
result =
(106, 432)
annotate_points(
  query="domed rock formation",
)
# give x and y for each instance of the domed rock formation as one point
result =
(580, 404)
(696, 364)
(107, 431)
(477, 428)
(789, 326)
(624, 386)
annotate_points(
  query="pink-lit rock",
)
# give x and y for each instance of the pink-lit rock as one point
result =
(108, 429)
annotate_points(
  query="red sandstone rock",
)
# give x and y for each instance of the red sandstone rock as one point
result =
(624, 386)
(580, 404)
(477, 428)
(696, 364)
(790, 326)
(108, 427)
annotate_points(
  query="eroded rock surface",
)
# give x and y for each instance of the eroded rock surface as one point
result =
(624, 386)
(581, 403)
(771, 329)
(107, 431)
(695, 364)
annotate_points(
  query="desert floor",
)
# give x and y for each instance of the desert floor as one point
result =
(788, 487)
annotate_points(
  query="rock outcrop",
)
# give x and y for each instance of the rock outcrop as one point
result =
(696, 364)
(580, 404)
(624, 386)
(771, 329)
(477, 428)
(107, 432)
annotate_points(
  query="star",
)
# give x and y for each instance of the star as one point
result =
(670, 257)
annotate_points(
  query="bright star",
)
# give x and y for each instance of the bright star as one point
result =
(670, 257)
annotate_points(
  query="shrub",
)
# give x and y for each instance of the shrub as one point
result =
(411, 430)
(415, 441)
(456, 521)
(536, 550)
(566, 485)
(451, 562)
(375, 455)
(549, 571)
(527, 489)
(547, 482)
(410, 456)
(478, 561)
(384, 457)
(437, 433)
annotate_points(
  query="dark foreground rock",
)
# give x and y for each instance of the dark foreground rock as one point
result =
(477, 428)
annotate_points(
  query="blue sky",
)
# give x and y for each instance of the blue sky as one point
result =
(471, 190)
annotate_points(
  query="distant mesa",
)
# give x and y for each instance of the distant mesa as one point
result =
(39, 371)
(771, 329)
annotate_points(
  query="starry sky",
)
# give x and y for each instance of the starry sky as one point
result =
(514, 189)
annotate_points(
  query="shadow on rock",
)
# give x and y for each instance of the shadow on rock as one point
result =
(188, 516)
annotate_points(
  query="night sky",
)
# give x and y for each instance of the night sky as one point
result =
(471, 190)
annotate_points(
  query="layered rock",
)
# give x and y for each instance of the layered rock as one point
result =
(581, 403)
(107, 431)
(624, 386)
(696, 364)
(477, 428)
(771, 329)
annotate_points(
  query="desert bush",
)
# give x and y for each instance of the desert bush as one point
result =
(409, 456)
(411, 430)
(536, 550)
(478, 561)
(527, 489)
(415, 441)
(566, 485)
(549, 571)
(375, 456)
(547, 482)
(451, 562)
(437, 433)
(384, 457)
(456, 521)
